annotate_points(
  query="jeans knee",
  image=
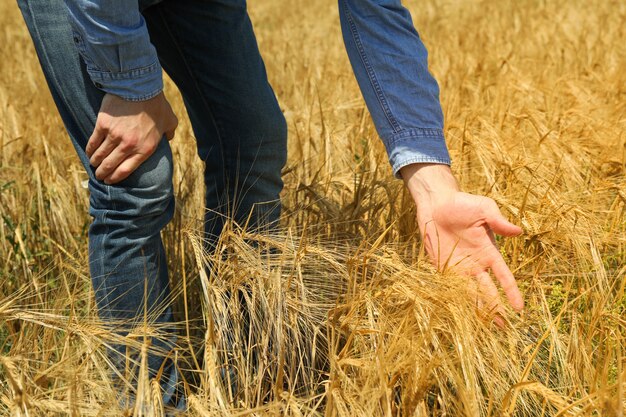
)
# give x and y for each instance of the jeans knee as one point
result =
(141, 204)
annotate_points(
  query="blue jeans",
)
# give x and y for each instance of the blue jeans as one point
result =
(210, 51)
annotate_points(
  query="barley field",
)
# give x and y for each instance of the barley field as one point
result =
(346, 316)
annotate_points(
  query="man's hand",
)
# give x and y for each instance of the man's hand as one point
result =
(458, 232)
(127, 133)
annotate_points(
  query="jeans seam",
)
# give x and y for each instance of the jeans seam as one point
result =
(371, 73)
(55, 78)
(50, 66)
(106, 233)
(176, 42)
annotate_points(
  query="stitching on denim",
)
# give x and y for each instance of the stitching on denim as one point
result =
(104, 75)
(107, 292)
(51, 69)
(419, 160)
(54, 76)
(141, 98)
(424, 159)
(370, 72)
(417, 133)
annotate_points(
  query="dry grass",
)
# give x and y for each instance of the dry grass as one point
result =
(346, 316)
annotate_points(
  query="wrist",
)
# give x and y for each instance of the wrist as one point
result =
(430, 185)
(429, 181)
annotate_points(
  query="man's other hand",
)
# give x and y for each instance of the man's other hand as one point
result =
(458, 232)
(127, 133)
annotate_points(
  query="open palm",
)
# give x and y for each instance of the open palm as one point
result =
(459, 234)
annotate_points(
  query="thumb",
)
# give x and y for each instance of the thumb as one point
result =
(502, 226)
(498, 224)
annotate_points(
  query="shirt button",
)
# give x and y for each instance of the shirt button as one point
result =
(98, 85)
(76, 39)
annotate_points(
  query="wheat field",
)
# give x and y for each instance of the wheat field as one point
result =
(346, 316)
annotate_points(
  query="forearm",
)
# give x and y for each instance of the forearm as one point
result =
(390, 64)
(112, 38)
(458, 229)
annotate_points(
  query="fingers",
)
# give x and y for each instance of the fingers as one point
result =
(488, 301)
(488, 292)
(110, 163)
(119, 165)
(507, 281)
(110, 157)
(95, 140)
(127, 133)
(114, 162)
(102, 152)
(503, 227)
(127, 167)
(500, 225)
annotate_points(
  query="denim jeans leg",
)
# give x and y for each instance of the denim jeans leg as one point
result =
(210, 51)
(126, 255)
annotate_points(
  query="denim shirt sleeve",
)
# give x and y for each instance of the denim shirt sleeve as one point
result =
(112, 37)
(390, 63)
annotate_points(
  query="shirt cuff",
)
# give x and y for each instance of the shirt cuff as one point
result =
(417, 146)
(134, 85)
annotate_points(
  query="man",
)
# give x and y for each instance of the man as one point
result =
(103, 61)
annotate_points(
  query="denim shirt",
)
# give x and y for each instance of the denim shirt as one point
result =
(389, 61)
